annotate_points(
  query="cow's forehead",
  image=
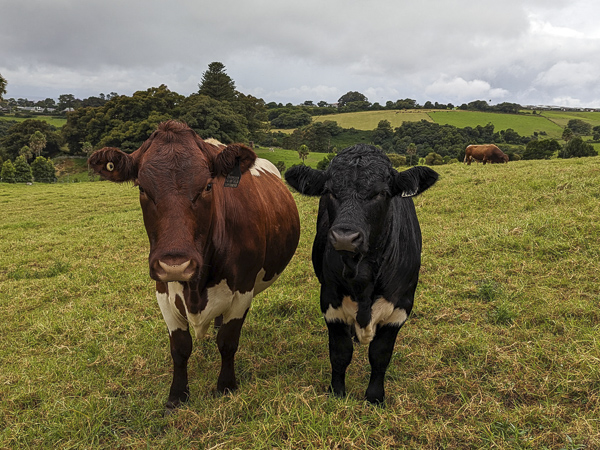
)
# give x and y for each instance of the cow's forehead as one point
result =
(358, 171)
(162, 162)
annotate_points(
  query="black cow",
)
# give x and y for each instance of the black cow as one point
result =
(366, 254)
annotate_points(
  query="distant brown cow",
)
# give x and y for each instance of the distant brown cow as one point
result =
(485, 153)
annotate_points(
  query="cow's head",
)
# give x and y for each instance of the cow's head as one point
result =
(357, 189)
(177, 174)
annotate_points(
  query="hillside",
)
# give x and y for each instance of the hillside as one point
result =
(548, 123)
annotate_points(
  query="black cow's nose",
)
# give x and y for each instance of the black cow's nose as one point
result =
(345, 240)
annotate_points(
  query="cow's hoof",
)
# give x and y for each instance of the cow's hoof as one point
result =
(375, 400)
(340, 393)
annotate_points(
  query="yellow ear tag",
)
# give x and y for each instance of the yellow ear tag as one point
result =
(110, 166)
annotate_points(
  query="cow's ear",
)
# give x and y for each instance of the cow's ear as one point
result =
(231, 156)
(413, 181)
(306, 180)
(114, 165)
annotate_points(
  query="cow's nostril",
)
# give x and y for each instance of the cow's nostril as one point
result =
(345, 241)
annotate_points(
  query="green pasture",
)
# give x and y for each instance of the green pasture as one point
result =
(501, 351)
(289, 157)
(368, 120)
(561, 118)
(58, 122)
(525, 124)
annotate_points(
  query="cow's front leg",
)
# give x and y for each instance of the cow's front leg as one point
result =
(181, 349)
(380, 354)
(228, 339)
(340, 355)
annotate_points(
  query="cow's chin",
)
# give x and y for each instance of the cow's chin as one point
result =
(351, 263)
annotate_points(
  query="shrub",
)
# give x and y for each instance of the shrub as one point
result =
(22, 170)
(43, 170)
(396, 159)
(577, 148)
(280, 166)
(8, 172)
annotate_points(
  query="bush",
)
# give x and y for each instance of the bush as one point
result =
(396, 159)
(577, 148)
(543, 149)
(22, 170)
(43, 170)
(280, 166)
(324, 163)
(8, 172)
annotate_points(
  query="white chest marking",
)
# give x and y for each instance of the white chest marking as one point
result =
(221, 301)
(263, 165)
(382, 313)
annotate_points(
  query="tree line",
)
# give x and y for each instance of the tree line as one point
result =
(218, 110)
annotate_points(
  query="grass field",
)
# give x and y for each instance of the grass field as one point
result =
(525, 125)
(562, 118)
(550, 122)
(368, 120)
(501, 352)
(58, 122)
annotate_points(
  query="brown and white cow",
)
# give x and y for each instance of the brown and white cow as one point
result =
(222, 226)
(485, 153)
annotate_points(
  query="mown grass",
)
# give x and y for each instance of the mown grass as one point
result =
(368, 120)
(58, 122)
(525, 124)
(501, 351)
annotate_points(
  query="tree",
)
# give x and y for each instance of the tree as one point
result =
(7, 174)
(216, 83)
(19, 135)
(3, 84)
(567, 134)
(212, 118)
(577, 148)
(303, 152)
(352, 96)
(579, 127)
(383, 132)
(26, 152)
(411, 151)
(543, 149)
(37, 142)
(596, 133)
(22, 170)
(43, 170)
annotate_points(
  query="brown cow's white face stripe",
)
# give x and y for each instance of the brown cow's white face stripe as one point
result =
(382, 313)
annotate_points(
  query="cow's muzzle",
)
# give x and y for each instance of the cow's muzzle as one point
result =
(164, 271)
(346, 240)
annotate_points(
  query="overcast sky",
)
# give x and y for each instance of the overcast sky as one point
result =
(531, 52)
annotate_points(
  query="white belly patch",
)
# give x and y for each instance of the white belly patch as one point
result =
(221, 301)
(382, 313)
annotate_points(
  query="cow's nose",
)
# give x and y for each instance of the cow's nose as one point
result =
(345, 240)
(168, 271)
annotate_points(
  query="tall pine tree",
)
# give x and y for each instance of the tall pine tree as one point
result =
(217, 84)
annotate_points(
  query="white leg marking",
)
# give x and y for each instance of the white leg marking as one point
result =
(263, 165)
(382, 313)
(171, 315)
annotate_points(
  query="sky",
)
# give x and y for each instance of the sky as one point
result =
(531, 52)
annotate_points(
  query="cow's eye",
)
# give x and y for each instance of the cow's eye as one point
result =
(209, 187)
(142, 191)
